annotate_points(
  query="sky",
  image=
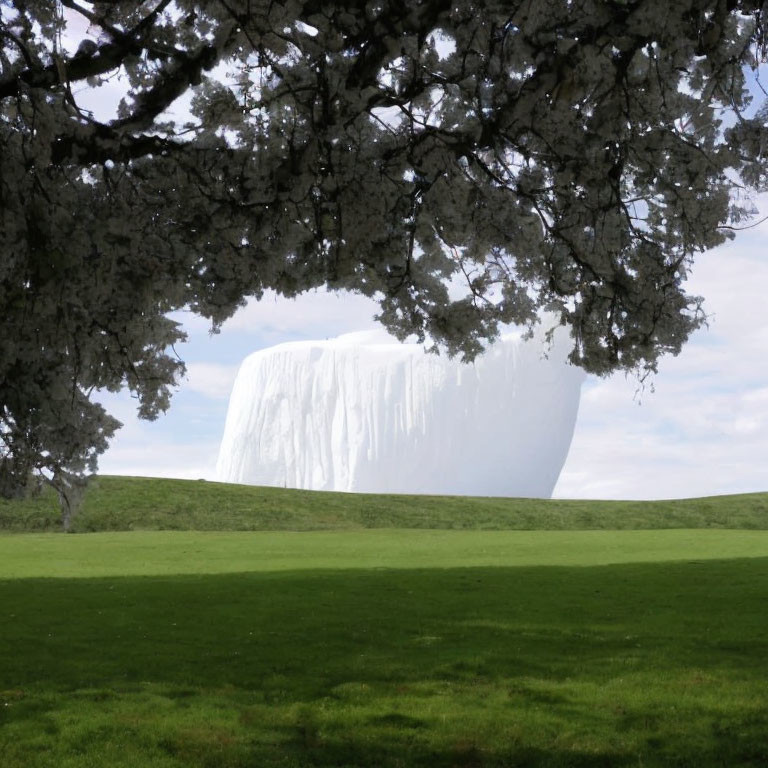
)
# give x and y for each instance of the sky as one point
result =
(700, 428)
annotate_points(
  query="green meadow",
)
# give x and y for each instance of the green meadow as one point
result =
(135, 503)
(343, 630)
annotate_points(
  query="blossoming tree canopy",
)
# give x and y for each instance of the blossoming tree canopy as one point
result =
(567, 156)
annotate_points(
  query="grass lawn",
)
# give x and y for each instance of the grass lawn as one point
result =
(384, 648)
(140, 503)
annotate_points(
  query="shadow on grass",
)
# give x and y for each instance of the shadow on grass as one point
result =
(648, 664)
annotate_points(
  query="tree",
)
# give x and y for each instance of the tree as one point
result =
(562, 155)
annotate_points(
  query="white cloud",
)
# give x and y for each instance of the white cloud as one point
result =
(170, 446)
(153, 458)
(315, 315)
(704, 430)
(211, 380)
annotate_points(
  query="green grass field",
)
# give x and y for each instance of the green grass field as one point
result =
(377, 644)
(133, 503)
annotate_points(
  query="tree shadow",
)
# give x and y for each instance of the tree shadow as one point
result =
(665, 664)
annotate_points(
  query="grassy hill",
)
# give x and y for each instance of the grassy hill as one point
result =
(136, 503)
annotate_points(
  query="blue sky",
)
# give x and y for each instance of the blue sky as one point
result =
(702, 430)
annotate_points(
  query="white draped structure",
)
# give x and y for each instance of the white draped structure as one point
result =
(364, 413)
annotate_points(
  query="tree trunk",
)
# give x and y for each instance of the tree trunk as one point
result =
(70, 490)
(66, 512)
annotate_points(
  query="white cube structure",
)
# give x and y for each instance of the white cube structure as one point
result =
(365, 413)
